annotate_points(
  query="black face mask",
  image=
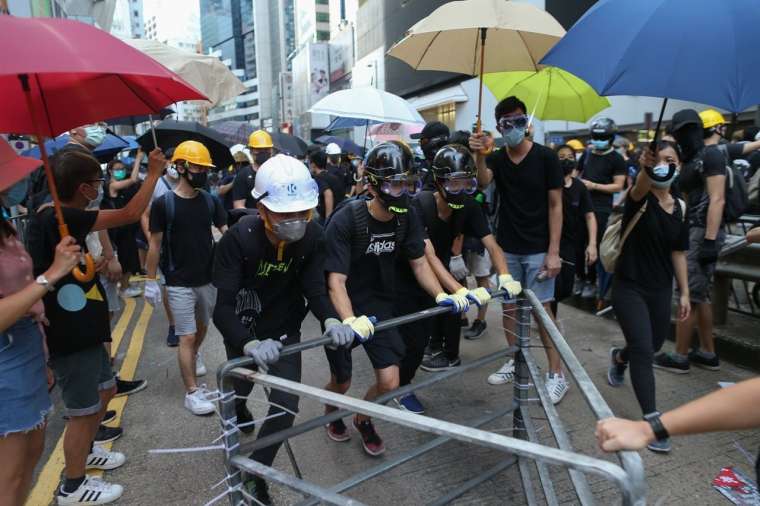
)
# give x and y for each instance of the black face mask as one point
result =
(196, 180)
(396, 205)
(690, 140)
(261, 157)
(567, 165)
(431, 147)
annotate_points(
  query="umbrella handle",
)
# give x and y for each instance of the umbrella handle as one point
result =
(89, 270)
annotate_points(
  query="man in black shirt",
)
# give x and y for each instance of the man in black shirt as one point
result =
(335, 169)
(433, 137)
(266, 267)
(180, 234)
(78, 316)
(603, 171)
(365, 242)
(330, 187)
(260, 146)
(529, 185)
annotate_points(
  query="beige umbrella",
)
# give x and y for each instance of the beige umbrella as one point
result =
(206, 73)
(453, 38)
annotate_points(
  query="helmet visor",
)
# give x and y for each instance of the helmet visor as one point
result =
(401, 184)
(462, 184)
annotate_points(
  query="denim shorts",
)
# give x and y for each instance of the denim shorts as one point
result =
(190, 305)
(82, 375)
(24, 399)
(525, 269)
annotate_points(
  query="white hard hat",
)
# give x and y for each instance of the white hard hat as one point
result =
(284, 185)
(332, 149)
(240, 148)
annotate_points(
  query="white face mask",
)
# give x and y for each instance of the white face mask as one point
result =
(171, 171)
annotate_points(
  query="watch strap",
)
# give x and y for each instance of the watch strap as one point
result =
(660, 432)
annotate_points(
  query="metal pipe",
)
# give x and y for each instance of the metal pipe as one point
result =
(635, 486)
(405, 457)
(520, 395)
(399, 392)
(231, 438)
(474, 482)
(271, 474)
(543, 471)
(524, 466)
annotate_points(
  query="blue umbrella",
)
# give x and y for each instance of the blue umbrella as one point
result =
(346, 145)
(111, 146)
(342, 122)
(699, 50)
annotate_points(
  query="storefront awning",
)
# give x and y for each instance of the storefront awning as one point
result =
(446, 95)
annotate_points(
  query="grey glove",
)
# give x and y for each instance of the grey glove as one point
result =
(340, 333)
(263, 352)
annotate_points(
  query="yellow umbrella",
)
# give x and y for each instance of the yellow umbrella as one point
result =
(453, 38)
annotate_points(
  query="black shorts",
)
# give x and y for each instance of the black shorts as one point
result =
(563, 286)
(384, 349)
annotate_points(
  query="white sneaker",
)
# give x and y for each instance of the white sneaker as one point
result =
(503, 375)
(92, 491)
(132, 291)
(200, 368)
(557, 387)
(100, 458)
(197, 402)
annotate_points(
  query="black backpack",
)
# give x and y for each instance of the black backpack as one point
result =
(737, 191)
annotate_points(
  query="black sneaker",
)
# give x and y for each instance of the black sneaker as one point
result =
(439, 363)
(430, 352)
(476, 331)
(698, 359)
(127, 387)
(107, 434)
(244, 416)
(666, 362)
(371, 442)
(464, 322)
(257, 487)
(107, 418)
(616, 370)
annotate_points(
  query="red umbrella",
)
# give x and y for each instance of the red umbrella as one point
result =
(58, 74)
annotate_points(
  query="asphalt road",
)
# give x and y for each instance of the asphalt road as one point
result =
(156, 419)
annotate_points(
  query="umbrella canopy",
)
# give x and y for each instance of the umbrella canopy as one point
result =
(234, 132)
(339, 123)
(111, 146)
(12, 166)
(393, 131)
(667, 48)
(550, 93)
(76, 74)
(346, 145)
(518, 35)
(368, 104)
(136, 120)
(170, 133)
(289, 144)
(207, 73)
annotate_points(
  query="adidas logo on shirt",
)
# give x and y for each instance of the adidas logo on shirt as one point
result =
(380, 244)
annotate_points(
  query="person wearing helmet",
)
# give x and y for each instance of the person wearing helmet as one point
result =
(336, 169)
(267, 268)
(330, 187)
(180, 234)
(603, 171)
(241, 159)
(528, 182)
(260, 147)
(366, 242)
(577, 147)
(715, 133)
(434, 136)
(448, 212)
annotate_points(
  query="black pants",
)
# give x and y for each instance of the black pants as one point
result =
(416, 336)
(444, 334)
(563, 283)
(601, 225)
(644, 317)
(288, 367)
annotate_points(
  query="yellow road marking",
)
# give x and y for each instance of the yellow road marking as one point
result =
(49, 477)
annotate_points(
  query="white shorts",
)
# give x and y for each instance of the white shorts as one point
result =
(191, 304)
(479, 264)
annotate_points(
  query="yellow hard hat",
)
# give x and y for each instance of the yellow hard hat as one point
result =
(193, 152)
(576, 144)
(260, 139)
(711, 118)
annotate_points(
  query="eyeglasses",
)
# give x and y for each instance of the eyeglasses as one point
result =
(399, 185)
(456, 185)
(510, 122)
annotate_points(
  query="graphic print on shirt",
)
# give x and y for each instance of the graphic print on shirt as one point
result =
(248, 308)
(266, 267)
(380, 244)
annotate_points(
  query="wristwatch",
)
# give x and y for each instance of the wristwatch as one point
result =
(660, 432)
(42, 280)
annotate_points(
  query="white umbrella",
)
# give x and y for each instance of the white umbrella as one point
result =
(206, 73)
(368, 103)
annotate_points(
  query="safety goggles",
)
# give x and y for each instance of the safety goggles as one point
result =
(464, 184)
(287, 193)
(507, 123)
(401, 184)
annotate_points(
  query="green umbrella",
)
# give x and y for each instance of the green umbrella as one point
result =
(550, 93)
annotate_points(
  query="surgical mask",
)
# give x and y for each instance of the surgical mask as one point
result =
(119, 174)
(196, 179)
(514, 136)
(261, 157)
(15, 194)
(94, 135)
(171, 171)
(662, 171)
(290, 230)
(568, 166)
(94, 202)
(600, 144)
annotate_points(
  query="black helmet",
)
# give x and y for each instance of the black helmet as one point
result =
(603, 129)
(392, 158)
(453, 161)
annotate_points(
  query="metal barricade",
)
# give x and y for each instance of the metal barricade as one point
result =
(522, 449)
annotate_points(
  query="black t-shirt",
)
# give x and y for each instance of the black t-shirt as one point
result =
(646, 255)
(77, 312)
(523, 227)
(227, 199)
(271, 292)
(191, 240)
(245, 180)
(691, 181)
(339, 177)
(327, 181)
(373, 275)
(602, 169)
(576, 202)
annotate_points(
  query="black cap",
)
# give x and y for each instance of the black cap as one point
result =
(685, 117)
(431, 130)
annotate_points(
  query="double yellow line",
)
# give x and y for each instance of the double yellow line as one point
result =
(49, 477)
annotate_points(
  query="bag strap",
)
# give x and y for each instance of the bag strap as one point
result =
(166, 183)
(361, 226)
(682, 205)
(632, 223)
(169, 208)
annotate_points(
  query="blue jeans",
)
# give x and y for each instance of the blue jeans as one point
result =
(525, 269)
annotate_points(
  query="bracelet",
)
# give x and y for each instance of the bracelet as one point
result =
(660, 432)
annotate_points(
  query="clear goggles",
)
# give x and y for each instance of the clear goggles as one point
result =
(284, 194)
(460, 182)
(401, 184)
(507, 123)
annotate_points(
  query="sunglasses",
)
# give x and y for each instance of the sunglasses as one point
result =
(507, 123)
